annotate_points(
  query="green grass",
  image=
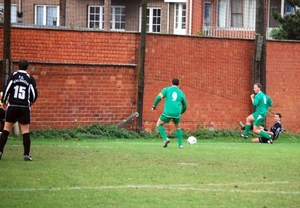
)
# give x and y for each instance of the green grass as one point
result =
(218, 172)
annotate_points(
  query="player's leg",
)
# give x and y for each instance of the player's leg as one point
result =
(10, 118)
(261, 140)
(178, 132)
(161, 130)
(256, 140)
(26, 141)
(2, 119)
(249, 121)
(4, 136)
(24, 122)
(257, 127)
(243, 126)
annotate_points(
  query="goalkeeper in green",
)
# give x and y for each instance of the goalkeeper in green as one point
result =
(261, 102)
(175, 105)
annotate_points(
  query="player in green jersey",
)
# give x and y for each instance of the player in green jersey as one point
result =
(261, 102)
(175, 105)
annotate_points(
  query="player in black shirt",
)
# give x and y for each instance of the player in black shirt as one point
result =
(274, 131)
(21, 93)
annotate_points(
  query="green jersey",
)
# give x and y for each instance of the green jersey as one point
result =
(262, 102)
(175, 103)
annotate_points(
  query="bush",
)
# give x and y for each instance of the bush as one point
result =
(107, 131)
(94, 132)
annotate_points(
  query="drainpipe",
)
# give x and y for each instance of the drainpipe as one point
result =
(6, 63)
(141, 77)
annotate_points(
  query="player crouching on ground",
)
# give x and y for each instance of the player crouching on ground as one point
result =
(175, 105)
(275, 131)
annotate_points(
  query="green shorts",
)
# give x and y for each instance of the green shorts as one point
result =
(258, 119)
(166, 119)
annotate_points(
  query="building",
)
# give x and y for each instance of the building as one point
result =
(218, 18)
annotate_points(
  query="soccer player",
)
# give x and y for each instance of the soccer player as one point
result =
(275, 131)
(261, 102)
(21, 93)
(175, 105)
(2, 115)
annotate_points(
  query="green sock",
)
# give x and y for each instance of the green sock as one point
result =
(179, 136)
(162, 132)
(247, 129)
(264, 134)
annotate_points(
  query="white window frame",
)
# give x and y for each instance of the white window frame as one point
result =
(113, 20)
(150, 23)
(248, 17)
(45, 14)
(101, 17)
(178, 23)
(13, 12)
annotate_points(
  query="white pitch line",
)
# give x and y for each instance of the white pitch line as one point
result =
(248, 183)
(94, 188)
(238, 190)
(183, 187)
(192, 164)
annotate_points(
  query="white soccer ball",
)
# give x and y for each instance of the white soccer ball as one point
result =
(192, 140)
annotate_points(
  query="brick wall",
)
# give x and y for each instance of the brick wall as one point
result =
(71, 95)
(82, 77)
(90, 77)
(283, 74)
(215, 74)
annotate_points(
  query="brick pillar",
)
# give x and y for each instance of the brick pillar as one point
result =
(107, 6)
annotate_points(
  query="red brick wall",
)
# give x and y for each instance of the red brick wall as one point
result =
(82, 95)
(215, 75)
(283, 85)
(82, 77)
(90, 77)
(64, 46)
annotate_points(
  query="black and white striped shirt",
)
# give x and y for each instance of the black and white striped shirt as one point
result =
(20, 89)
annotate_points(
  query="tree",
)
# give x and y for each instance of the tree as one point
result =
(289, 25)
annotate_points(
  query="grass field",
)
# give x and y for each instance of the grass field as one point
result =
(140, 173)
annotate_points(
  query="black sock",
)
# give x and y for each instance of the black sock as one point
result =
(3, 139)
(26, 143)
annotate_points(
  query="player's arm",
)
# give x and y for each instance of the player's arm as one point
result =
(254, 99)
(6, 91)
(270, 101)
(33, 91)
(157, 100)
(184, 105)
(277, 130)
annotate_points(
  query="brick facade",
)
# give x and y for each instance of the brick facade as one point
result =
(283, 74)
(90, 77)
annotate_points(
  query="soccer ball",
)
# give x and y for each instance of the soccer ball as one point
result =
(192, 140)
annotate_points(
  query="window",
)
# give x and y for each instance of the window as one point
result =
(47, 15)
(236, 13)
(180, 18)
(207, 14)
(96, 17)
(13, 13)
(288, 9)
(153, 19)
(280, 7)
(117, 21)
